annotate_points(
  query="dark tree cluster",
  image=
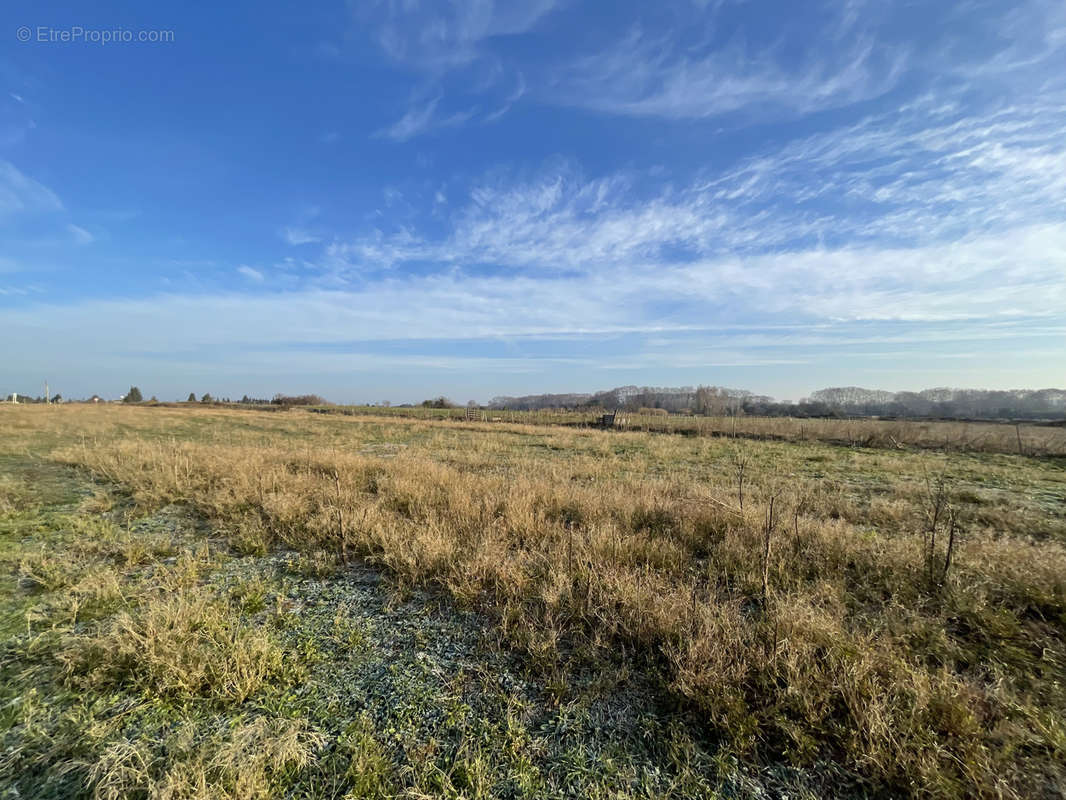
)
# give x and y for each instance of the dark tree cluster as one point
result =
(299, 400)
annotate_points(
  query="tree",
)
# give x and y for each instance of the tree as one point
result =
(207, 398)
(712, 401)
(133, 396)
(191, 398)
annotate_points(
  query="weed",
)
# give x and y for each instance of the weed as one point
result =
(315, 564)
(250, 594)
(369, 771)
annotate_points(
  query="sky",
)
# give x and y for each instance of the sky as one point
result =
(395, 200)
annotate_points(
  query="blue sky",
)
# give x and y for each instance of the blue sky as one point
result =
(391, 200)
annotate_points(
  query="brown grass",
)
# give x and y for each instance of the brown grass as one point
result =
(185, 644)
(1027, 438)
(589, 544)
(238, 762)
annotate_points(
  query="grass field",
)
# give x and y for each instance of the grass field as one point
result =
(204, 602)
(1024, 438)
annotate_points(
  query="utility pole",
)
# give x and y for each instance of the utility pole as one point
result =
(46, 401)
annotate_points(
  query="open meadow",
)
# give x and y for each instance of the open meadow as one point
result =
(1025, 438)
(210, 602)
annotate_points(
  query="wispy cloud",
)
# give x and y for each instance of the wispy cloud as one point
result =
(296, 235)
(80, 235)
(841, 53)
(925, 212)
(924, 174)
(1032, 34)
(931, 170)
(465, 308)
(19, 192)
(517, 94)
(654, 75)
(250, 273)
(438, 36)
(438, 39)
(422, 118)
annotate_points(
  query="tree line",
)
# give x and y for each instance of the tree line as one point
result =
(836, 401)
(938, 403)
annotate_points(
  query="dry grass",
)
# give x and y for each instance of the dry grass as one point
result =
(987, 437)
(238, 762)
(831, 643)
(119, 630)
(187, 644)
